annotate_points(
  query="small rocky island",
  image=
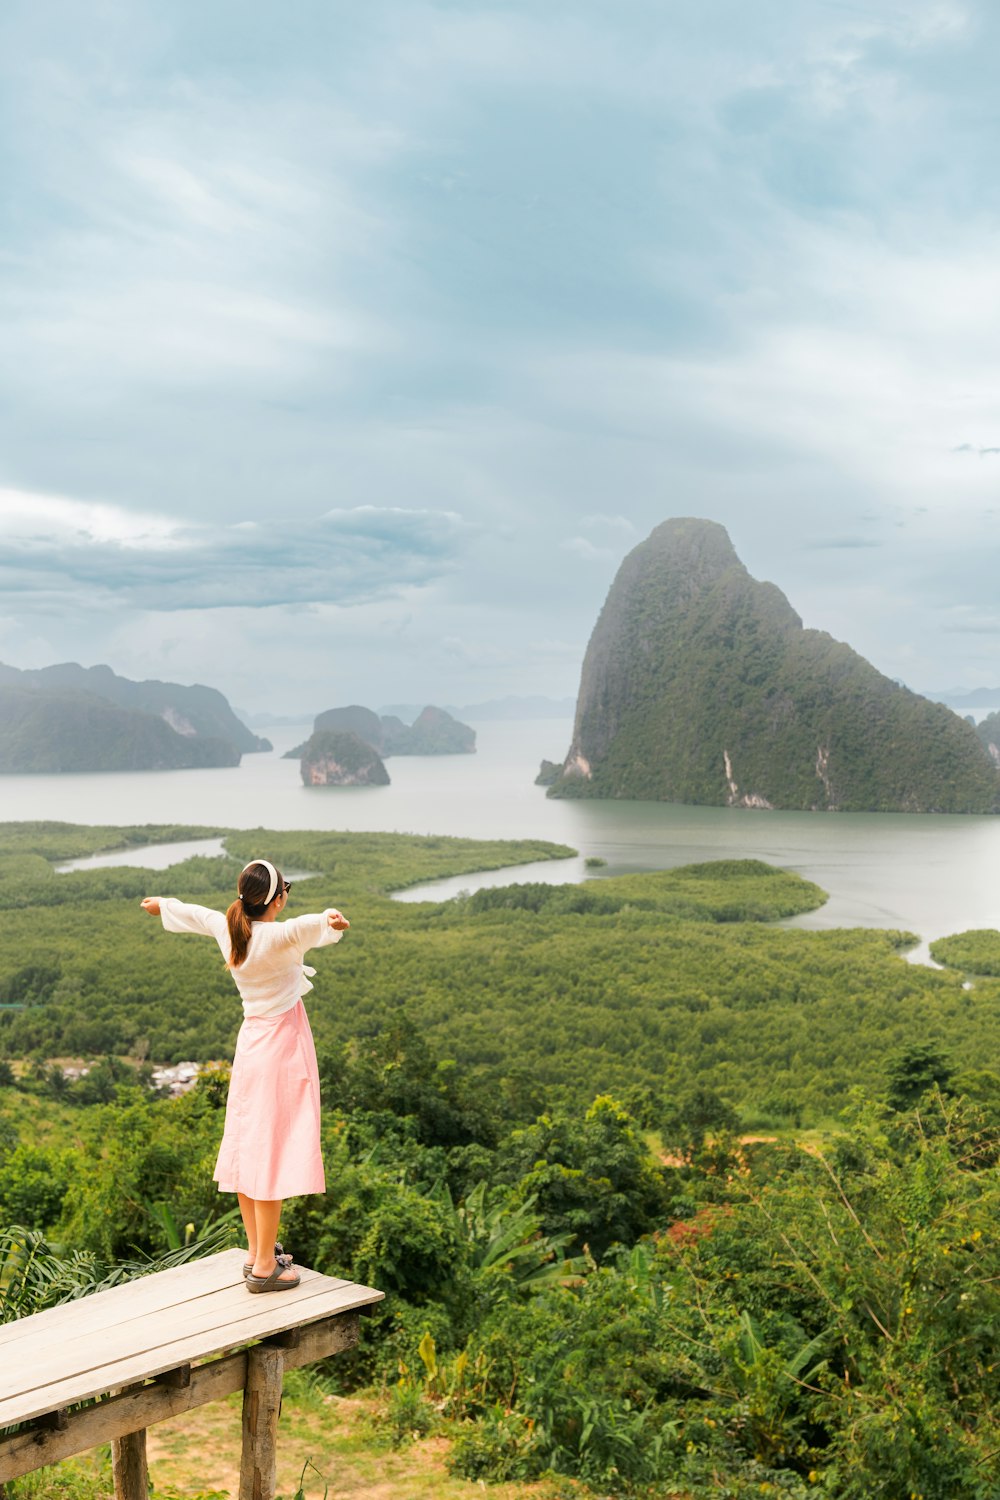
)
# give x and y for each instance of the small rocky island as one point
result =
(433, 732)
(339, 757)
(701, 685)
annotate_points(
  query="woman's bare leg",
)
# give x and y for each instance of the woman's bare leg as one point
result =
(249, 1224)
(268, 1212)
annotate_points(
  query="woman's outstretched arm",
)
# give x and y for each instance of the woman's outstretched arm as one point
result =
(183, 916)
(315, 930)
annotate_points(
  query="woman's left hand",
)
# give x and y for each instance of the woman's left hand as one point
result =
(152, 905)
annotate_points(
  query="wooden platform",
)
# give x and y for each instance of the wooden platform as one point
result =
(167, 1328)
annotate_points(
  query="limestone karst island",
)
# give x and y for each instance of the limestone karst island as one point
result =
(701, 685)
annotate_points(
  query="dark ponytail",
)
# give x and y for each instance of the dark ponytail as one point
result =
(249, 906)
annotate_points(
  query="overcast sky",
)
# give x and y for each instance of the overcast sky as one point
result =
(347, 348)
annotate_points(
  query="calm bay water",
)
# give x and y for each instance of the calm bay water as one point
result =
(928, 875)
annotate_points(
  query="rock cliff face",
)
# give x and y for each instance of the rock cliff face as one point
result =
(701, 685)
(988, 732)
(338, 757)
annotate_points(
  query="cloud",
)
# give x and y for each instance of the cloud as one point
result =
(839, 543)
(346, 557)
(562, 270)
(621, 524)
(581, 546)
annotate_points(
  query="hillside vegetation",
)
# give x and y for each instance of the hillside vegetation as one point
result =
(534, 1100)
(634, 983)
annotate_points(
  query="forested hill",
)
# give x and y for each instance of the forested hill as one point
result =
(73, 718)
(65, 731)
(191, 711)
(433, 732)
(701, 685)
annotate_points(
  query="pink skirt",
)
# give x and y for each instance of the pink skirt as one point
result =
(271, 1146)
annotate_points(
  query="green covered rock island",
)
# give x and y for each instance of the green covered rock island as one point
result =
(339, 757)
(701, 685)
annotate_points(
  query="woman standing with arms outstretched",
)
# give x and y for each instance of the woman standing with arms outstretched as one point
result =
(271, 1144)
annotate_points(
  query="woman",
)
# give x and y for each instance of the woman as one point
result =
(270, 1147)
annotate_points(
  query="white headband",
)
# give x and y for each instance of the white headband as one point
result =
(272, 876)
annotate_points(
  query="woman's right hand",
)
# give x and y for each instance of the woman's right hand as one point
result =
(337, 921)
(152, 905)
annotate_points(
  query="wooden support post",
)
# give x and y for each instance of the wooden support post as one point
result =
(261, 1408)
(128, 1465)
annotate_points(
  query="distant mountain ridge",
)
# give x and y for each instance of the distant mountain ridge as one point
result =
(72, 718)
(983, 697)
(701, 685)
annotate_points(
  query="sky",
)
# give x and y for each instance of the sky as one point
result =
(347, 349)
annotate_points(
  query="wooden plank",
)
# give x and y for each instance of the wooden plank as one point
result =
(101, 1377)
(233, 1316)
(149, 1330)
(146, 1294)
(147, 1297)
(261, 1409)
(75, 1347)
(110, 1419)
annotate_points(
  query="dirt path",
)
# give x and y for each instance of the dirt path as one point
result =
(201, 1452)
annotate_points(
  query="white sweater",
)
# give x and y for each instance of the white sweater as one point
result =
(272, 977)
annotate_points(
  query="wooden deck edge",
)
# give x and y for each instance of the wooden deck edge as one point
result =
(44, 1443)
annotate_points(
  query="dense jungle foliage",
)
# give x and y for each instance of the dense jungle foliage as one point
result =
(741, 1320)
(535, 1100)
(976, 952)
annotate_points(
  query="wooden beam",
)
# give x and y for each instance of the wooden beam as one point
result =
(128, 1466)
(55, 1421)
(38, 1446)
(261, 1409)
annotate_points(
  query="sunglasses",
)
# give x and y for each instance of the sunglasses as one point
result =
(288, 885)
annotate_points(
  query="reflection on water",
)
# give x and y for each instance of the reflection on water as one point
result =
(926, 875)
